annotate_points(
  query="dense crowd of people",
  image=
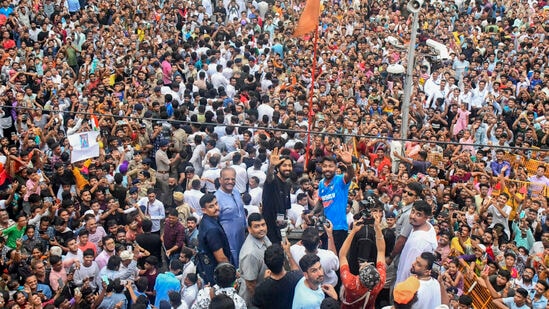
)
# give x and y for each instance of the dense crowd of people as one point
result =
(230, 177)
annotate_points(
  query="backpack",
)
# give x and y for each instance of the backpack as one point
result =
(363, 248)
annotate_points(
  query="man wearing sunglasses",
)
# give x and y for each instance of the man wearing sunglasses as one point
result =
(412, 192)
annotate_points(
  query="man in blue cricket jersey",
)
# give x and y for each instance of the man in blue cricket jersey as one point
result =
(333, 191)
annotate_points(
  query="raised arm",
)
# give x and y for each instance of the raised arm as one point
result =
(274, 160)
(380, 240)
(489, 286)
(401, 158)
(346, 157)
(286, 246)
(329, 233)
(347, 244)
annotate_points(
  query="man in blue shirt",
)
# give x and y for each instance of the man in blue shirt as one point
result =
(73, 6)
(167, 282)
(231, 211)
(333, 190)
(498, 164)
(537, 298)
(36, 287)
(213, 245)
(516, 302)
(6, 9)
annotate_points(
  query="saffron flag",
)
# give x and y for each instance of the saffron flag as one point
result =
(84, 145)
(308, 21)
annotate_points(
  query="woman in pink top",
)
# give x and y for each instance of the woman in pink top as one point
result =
(466, 143)
(32, 184)
(167, 69)
(462, 119)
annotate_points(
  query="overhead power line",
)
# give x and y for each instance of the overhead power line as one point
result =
(312, 132)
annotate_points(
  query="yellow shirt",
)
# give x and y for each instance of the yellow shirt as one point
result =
(81, 181)
(454, 244)
(513, 203)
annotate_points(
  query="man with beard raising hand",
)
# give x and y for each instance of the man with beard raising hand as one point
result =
(333, 191)
(276, 194)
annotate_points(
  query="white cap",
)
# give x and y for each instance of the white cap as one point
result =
(126, 255)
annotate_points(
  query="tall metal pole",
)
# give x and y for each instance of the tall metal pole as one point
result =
(410, 64)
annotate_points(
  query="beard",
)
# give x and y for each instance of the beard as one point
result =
(319, 280)
(328, 175)
(416, 272)
(285, 174)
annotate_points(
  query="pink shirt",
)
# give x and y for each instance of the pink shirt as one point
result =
(96, 237)
(54, 278)
(32, 188)
(103, 258)
(166, 72)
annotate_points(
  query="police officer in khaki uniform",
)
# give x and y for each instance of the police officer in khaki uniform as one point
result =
(163, 164)
(145, 165)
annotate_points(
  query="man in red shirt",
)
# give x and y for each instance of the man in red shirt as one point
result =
(383, 159)
(7, 42)
(361, 291)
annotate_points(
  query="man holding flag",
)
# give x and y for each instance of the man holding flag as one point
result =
(308, 22)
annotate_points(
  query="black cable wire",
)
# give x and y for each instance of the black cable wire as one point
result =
(313, 133)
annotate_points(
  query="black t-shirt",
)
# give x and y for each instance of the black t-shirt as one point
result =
(277, 293)
(248, 161)
(363, 248)
(510, 116)
(63, 237)
(42, 35)
(150, 242)
(182, 166)
(276, 200)
(276, 142)
(450, 116)
(67, 178)
(221, 11)
(119, 192)
(364, 182)
(499, 288)
(120, 219)
(436, 125)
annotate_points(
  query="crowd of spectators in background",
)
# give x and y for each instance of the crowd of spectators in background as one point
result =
(215, 144)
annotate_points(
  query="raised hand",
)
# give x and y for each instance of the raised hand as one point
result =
(77, 295)
(274, 158)
(357, 226)
(286, 245)
(328, 227)
(344, 154)
(377, 218)
(27, 289)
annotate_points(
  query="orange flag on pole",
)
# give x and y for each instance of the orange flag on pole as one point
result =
(308, 21)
